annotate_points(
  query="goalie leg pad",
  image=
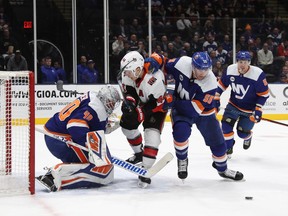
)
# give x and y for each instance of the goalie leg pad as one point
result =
(98, 150)
(71, 176)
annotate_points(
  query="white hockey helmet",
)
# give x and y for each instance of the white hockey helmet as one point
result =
(133, 62)
(110, 98)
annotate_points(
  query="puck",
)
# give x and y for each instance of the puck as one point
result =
(248, 198)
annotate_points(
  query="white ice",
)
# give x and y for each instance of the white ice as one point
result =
(204, 192)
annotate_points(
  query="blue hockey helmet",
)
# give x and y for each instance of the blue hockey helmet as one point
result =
(201, 60)
(243, 55)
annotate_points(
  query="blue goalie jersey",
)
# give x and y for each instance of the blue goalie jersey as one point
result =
(84, 114)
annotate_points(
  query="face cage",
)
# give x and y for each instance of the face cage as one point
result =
(110, 105)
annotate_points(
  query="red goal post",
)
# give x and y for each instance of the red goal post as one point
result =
(17, 133)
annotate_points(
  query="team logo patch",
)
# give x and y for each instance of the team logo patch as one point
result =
(152, 80)
(232, 79)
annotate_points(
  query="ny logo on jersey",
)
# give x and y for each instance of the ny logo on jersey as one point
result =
(183, 93)
(239, 90)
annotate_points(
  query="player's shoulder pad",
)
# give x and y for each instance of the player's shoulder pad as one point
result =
(184, 65)
(208, 83)
(97, 106)
(232, 70)
(254, 73)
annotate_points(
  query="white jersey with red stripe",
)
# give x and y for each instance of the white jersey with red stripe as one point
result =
(149, 85)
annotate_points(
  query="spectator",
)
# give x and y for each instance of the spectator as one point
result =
(195, 44)
(172, 52)
(241, 44)
(118, 45)
(209, 44)
(265, 58)
(163, 43)
(90, 74)
(283, 79)
(222, 55)
(136, 28)
(133, 42)
(81, 67)
(125, 50)
(218, 69)
(8, 55)
(122, 29)
(60, 71)
(227, 44)
(142, 49)
(178, 43)
(282, 50)
(187, 48)
(184, 26)
(48, 73)
(17, 62)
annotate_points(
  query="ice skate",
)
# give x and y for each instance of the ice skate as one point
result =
(182, 168)
(231, 174)
(247, 143)
(47, 181)
(136, 158)
(143, 182)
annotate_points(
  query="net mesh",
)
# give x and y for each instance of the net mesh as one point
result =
(15, 133)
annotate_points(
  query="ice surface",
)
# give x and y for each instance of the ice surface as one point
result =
(204, 192)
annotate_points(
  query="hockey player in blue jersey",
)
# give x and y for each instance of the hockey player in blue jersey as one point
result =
(84, 122)
(249, 92)
(195, 87)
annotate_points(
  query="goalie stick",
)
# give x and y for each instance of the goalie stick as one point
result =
(148, 173)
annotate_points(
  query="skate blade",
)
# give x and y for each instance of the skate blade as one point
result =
(43, 184)
(142, 185)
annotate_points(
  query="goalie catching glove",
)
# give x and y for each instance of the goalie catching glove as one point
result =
(256, 115)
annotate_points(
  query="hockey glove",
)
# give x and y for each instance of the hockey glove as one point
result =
(129, 104)
(256, 115)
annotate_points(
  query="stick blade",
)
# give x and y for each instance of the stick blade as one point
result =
(59, 85)
(159, 165)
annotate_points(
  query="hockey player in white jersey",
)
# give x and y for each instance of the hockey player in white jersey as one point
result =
(144, 86)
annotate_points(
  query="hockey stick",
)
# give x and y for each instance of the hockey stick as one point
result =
(59, 86)
(148, 173)
(247, 115)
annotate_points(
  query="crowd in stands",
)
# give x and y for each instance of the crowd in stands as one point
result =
(184, 27)
(179, 27)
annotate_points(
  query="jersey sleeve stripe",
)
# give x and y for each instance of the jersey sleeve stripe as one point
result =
(77, 123)
(263, 94)
(197, 106)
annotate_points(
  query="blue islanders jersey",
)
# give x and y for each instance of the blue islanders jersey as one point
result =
(247, 90)
(84, 114)
(199, 94)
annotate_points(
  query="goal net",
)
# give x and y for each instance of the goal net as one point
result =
(17, 133)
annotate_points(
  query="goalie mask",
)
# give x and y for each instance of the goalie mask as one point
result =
(110, 98)
(132, 64)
